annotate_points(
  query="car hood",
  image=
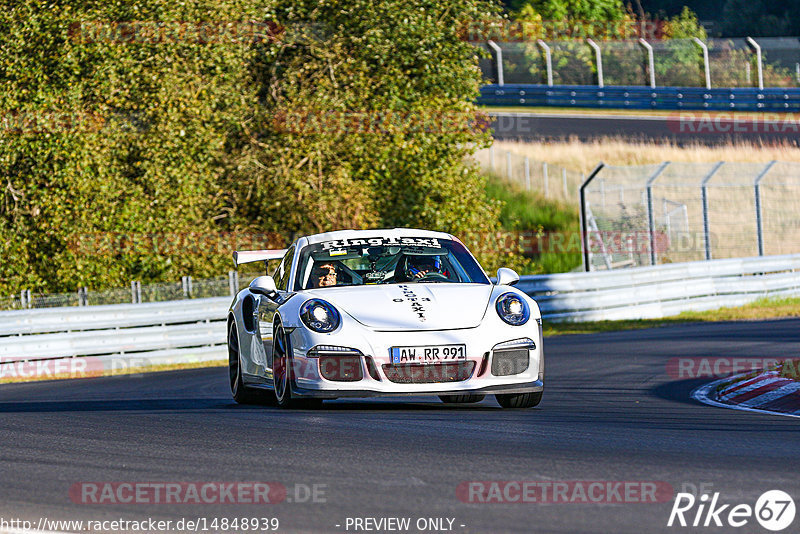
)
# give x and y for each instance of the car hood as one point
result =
(413, 306)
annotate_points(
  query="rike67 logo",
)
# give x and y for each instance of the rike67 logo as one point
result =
(774, 510)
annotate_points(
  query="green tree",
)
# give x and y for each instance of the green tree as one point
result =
(170, 140)
(575, 10)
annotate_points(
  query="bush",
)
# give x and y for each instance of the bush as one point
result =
(171, 140)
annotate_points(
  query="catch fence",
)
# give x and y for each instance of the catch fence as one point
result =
(729, 62)
(681, 212)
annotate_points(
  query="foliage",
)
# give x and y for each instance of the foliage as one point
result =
(684, 26)
(545, 233)
(761, 19)
(175, 148)
(573, 10)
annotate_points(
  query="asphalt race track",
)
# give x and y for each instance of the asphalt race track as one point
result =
(686, 129)
(611, 412)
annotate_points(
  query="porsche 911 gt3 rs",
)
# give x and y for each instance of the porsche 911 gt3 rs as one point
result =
(364, 313)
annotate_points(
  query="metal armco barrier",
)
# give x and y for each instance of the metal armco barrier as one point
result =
(126, 335)
(662, 290)
(194, 330)
(639, 97)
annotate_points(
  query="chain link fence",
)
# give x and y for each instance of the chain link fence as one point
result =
(679, 212)
(732, 62)
(552, 181)
(186, 288)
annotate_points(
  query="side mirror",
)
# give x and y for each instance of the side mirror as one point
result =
(506, 277)
(264, 285)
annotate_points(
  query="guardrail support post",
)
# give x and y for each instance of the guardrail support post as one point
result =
(650, 62)
(651, 219)
(599, 60)
(25, 299)
(759, 216)
(704, 191)
(704, 47)
(755, 45)
(136, 292)
(499, 55)
(527, 173)
(548, 61)
(83, 296)
(582, 213)
(546, 184)
(186, 285)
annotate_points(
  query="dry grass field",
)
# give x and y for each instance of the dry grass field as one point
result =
(583, 157)
(617, 193)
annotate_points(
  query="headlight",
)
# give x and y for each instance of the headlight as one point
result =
(513, 309)
(319, 316)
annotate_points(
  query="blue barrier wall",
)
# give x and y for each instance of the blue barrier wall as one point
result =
(638, 97)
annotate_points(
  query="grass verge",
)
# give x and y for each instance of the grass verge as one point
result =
(584, 156)
(760, 309)
(529, 211)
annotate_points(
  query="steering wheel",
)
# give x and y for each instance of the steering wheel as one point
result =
(434, 276)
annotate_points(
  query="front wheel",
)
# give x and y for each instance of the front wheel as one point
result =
(461, 399)
(519, 400)
(282, 373)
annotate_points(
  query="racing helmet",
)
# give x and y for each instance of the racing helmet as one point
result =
(417, 264)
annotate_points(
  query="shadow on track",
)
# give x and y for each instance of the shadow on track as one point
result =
(217, 404)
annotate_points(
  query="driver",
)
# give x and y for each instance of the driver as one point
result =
(418, 267)
(324, 275)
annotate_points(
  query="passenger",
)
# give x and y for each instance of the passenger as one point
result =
(324, 275)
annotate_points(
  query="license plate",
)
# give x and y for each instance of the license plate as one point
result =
(428, 353)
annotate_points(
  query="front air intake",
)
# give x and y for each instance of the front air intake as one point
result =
(338, 364)
(512, 357)
(420, 373)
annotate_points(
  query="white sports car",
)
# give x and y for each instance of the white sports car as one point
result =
(378, 313)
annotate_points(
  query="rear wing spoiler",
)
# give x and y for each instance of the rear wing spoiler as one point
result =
(249, 256)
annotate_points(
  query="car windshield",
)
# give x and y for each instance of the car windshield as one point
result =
(386, 260)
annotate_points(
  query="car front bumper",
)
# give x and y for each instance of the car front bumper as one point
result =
(309, 382)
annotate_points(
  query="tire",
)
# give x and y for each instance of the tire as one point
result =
(241, 393)
(461, 399)
(282, 374)
(519, 400)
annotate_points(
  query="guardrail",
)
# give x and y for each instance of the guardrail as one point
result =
(662, 290)
(639, 97)
(194, 330)
(111, 337)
